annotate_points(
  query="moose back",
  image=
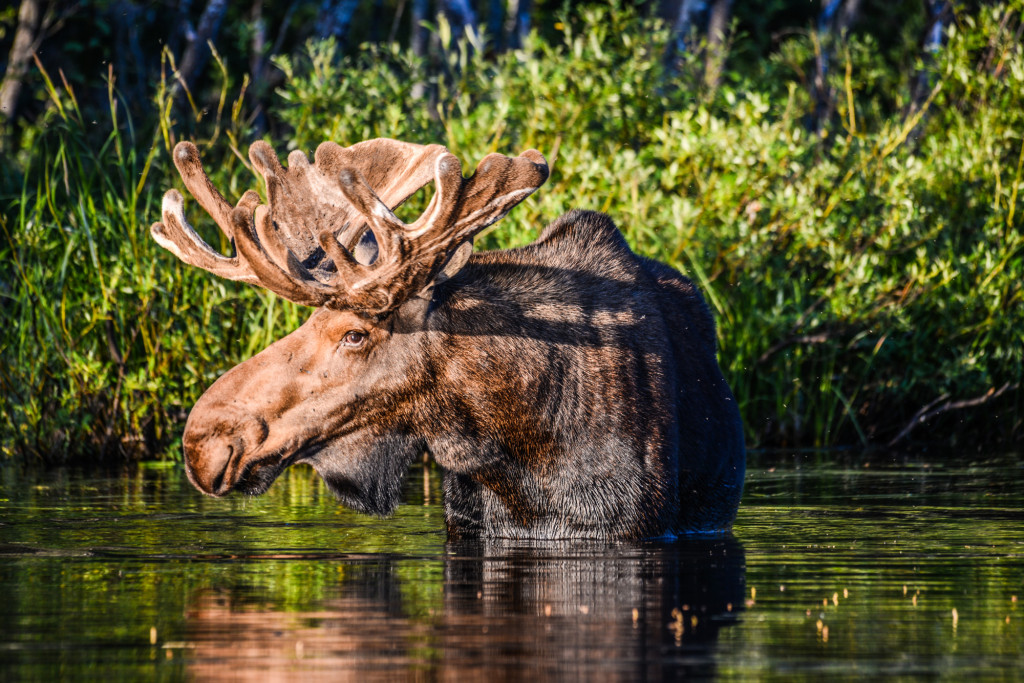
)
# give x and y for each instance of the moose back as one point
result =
(567, 389)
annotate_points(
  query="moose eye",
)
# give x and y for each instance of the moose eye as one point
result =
(353, 338)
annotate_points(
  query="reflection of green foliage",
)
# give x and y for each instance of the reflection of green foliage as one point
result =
(120, 556)
(908, 545)
(855, 278)
(88, 566)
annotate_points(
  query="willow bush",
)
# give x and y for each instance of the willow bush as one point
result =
(857, 277)
(862, 276)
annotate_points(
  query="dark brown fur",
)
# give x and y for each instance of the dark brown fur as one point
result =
(567, 389)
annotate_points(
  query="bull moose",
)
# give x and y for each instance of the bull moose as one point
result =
(567, 389)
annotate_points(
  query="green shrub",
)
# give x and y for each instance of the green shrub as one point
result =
(856, 277)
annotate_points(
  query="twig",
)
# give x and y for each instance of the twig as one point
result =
(930, 411)
(394, 23)
(819, 338)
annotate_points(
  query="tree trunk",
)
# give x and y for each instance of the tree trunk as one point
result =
(258, 41)
(940, 13)
(833, 24)
(197, 52)
(418, 41)
(495, 22)
(418, 37)
(517, 23)
(687, 15)
(847, 15)
(335, 18)
(257, 66)
(131, 63)
(29, 17)
(718, 28)
(461, 16)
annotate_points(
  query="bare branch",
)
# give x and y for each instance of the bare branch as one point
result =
(795, 340)
(197, 51)
(930, 410)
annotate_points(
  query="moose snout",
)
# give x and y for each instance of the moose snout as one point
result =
(216, 450)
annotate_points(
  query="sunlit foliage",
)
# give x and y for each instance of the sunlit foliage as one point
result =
(858, 276)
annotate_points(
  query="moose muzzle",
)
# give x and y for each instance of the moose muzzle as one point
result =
(219, 450)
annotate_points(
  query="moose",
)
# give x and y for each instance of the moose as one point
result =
(567, 389)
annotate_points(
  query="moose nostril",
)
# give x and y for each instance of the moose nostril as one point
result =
(255, 432)
(214, 453)
(218, 481)
(207, 461)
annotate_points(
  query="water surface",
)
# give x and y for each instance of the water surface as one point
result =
(839, 567)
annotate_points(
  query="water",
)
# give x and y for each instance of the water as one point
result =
(839, 568)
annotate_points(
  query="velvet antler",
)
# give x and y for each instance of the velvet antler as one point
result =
(302, 243)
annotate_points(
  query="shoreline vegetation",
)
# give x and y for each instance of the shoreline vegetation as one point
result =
(856, 229)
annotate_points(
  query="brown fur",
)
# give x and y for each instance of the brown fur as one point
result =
(567, 389)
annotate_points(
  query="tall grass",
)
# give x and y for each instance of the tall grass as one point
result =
(107, 341)
(859, 280)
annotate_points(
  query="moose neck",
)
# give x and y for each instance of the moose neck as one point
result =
(540, 426)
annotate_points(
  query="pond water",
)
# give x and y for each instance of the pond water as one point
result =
(839, 567)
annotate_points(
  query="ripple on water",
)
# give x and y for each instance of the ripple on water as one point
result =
(836, 569)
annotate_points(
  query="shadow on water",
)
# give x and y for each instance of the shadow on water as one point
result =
(623, 613)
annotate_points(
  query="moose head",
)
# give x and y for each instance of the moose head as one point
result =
(568, 388)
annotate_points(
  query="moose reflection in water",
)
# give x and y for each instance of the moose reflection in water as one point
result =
(567, 389)
(622, 613)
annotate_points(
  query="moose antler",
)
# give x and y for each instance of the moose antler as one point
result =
(302, 243)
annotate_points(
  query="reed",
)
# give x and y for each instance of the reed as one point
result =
(107, 340)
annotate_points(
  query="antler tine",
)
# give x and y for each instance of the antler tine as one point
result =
(254, 265)
(465, 206)
(280, 257)
(497, 185)
(299, 285)
(393, 170)
(271, 243)
(257, 247)
(412, 256)
(177, 236)
(386, 226)
(390, 231)
(449, 181)
(186, 159)
(317, 210)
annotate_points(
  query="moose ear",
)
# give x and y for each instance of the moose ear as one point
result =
(455, 263)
